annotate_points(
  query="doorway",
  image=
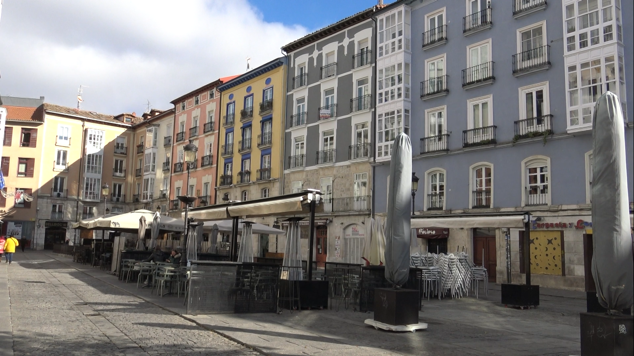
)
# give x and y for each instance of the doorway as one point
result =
(54, 236)
(484, 240)
(322, 246)
(437, 246)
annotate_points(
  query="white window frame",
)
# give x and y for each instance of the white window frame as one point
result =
(360, 190)
(545, 87)
(435, 14)
(472, 181)
(477, 101)
(63, 164)
(479, 44)
(384, 142)
(610, 19)
(520, 51)
(428, 190)
(63, 135)
(264, 193)
(244, 195)
(443, 58)
(531, 162)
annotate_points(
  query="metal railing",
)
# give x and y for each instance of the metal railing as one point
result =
(88, 195)
(166, 166)
(298, 119)
(193, 165)
(138, 172)
(208, 127)
(244, 177)
(434, 143)
(59, 193)
(360, 150)
(520, 6)
(537, 196)
(87, 215)
(227, 150)
(477, 20)
(246, 114)
(479, 137)
(434, 86)
(436, 201)
(174, 204)
(207, 160)
(434, 35)
(481, 198)
(120, 149)
(266, 106)
(263, 174)
(226, 179)
(358, 203)
(178, 167)
(204, 200)
(479, 73)
(167, 141)
(244, 146)
(136, 198)
(531, 59)
(180, 136)
(193, 131)
(118, 173)
(265, 139)
(536, 126)
(329, 70)
(229, 120)
(359, 103)
(300, 80)
(163, 194)
(147, 196)
(327, 111)
(362, 58)
(140, 148)
(326, 156)
(117, 198)
(297, 161)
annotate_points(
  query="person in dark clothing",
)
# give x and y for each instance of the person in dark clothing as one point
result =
(175, 257)
(156, 256)
(23, 243)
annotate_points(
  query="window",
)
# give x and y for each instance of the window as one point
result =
(330, 66)
(300, 112)
(392, 28)
(361, 199)
(435, 130)
(190, 191)
(231, 110)
(296, 186)
(481, 186)
(298, 151)
(591, 22)
(57, 211)
(8, 136)
(155, 134)
(6, 164)
(301, 78)
(390, 81)
(63, 135)
(26, 167)
(58, 186)
(117, 192)
(535, 181)
(119, 146)
(479, 62)
(61, 157)
(119, 169)
(206, 190)
(264, 193)
(267, 95)
(328, 110)
(435, 75)
(228, 169)
(88, 212)
(390, 124)
(148, 189)
(150, 162)
(435, 190)
(93, 163)
(363, 53)
(531, 42)
(212, 94)
(244, 195)
(435, 27)
(92, 188)
(28, 138)
(327, 155)
(247, 134)
(248, 104)
(534, 109)
(182, 106)
(480, 114)
(326, 190)
(210, 116)
(229, 141)
(361, 141)
(197, 100)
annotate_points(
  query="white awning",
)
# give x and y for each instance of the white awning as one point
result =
(209, 214)
(288, 205)
(514, 221)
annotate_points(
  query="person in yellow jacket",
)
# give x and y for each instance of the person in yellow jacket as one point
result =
(9, 248)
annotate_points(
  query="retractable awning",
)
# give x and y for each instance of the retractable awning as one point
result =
(513, 221)
(282, 206)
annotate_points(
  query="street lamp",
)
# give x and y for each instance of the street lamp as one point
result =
(414, 189)
(190, 157)
(105, 190)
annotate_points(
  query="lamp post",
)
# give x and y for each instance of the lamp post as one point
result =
(105, 190)
(190, 157)
(414, 189)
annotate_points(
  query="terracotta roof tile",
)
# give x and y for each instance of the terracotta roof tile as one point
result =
(23, 113)
(91, 115)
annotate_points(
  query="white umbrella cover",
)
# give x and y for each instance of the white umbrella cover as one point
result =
(192, 250)
(245, 254)
(154, 229)
(140, 243)
(292, 253)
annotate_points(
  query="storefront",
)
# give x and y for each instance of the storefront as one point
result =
(55, 233)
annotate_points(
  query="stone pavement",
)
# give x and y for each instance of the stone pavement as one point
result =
(99, 313)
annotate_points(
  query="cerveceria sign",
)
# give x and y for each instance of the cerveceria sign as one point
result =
(62, 224)
(432, 233)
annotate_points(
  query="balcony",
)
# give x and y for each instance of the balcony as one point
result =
(533, 127)
(532, 60)
(147, 196)
(140, 148)
(226, 179)
(60, 167)
(138, 172)
(362, 58)
(192, 165)
(178, 167)
(479, 137)
(136, 198)
(476, 22)
(436, 201)
(435, 37)
(227, 150)
(166, 166)
(208, 127)
(174, 204)
(526, 7)
(204, 200)
(328, 112)
(246, 114)
(359, 151)
(206, 161)
(478, 75)
(537, 195)
(296, 161)
(120, 149)
(57, 215)
(481, 198)
(244, 146)
(358, 203)
(59, 193)
(91, 196)
(167, 141)
(434, 143)
(87, 215)
(163, 194)
(244, 177)
(118, 173)
(193, 131)
(329, 70)
(265, 140)
(298, 119)
(300, 81)
(263, 174)
(117, 198)
(228, 120)
(434, 87)
(180, 136)
(325, 156)
(266, 107)
(361, 103)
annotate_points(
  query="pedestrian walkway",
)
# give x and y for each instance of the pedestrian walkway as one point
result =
(466, 326)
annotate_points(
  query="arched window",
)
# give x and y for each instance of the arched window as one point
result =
(536, 181)
(435, 197)
(481, 185)
(244, 195)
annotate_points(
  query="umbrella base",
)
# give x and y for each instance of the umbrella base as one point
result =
(520, 295)
(398, 328)
(396, 306)
(605, 335)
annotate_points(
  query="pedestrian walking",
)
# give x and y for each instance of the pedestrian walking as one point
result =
(9, 248)
(2, 241)
(23, 243)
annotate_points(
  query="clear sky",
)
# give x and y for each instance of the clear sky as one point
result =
(128, 53)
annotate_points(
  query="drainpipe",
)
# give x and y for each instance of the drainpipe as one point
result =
(282, 180)
(81, 166)
(373, 125)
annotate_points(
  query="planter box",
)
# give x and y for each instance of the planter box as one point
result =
(396, 306)
(520, 295)
(312, 294)
(606, 335)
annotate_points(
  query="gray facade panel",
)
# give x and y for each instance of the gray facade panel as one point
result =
(313, 138)
(287, 149)
(345, 90)
(313, 102)
(342, 139)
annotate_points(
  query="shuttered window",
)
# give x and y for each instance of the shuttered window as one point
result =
(26, 167)
(3, 201)
(28, 138)
(6, 161)
(8, 135)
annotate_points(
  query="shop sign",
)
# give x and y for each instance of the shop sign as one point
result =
(61, 224)
(353, 231)
(432, 233)
(579, 225)
(14, 229)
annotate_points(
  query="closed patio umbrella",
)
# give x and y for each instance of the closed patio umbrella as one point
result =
(292, 253)
(214, 239)
(245, 254)
(154, 229)
(140, 242)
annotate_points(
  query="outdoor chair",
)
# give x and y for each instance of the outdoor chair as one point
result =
(479, 275)
(351, 290)
(146, 271)
(290, 293)
(165, 276)
(336, 287)
(126, 269)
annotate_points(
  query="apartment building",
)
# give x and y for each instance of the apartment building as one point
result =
(21, 162)
(329, 130)
(502, 121)
(196, 121)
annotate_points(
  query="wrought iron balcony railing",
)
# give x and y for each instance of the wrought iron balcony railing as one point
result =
(140, 148)
(436, 201)
(193, 165)
(477, 20)
(533, 127)
(136, 198)
(361, 103)
(263, 174)
(434, 143)
(244, 146)
(521, 7)
(117, 198)
(298, 119)
(435, 36)
(178, 167)
(328, 112)
(433, 86)
(193, 131)
(118, 173)
(138, 172)
(226, 179)
(59, 193)
(208, 127)
(167, 141)
(174, 204)
(246, 114)
(358, 203)
(531, 60)
(120, 149)
(296, 161)
(163, 194)
(206, 161)
(360, 150)
(265, 140)
(329, 70)
(57, 215)
(481, 198)
(478, 74)
(166, 166)
(227, 150)
(180, 136)
(244, 177)
(266, 107)
(325, 156)
(300, 80)
(479, 137)
(229, 119)
(362, 58)
(204, 200)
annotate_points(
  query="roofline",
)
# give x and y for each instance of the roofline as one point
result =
(156, 117)
(204, 87)
(88, 118)
(267, 67)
